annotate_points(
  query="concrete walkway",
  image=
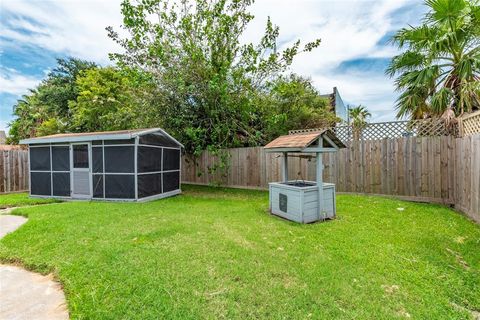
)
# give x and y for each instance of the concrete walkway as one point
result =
(25, 294)
(10, 223)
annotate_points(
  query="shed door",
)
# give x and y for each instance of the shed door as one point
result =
(81, 170)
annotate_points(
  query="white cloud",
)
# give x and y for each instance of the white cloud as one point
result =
(73, 27)
(12, 82)
(348, 30)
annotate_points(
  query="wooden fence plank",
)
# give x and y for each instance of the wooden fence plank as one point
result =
(13, 170)
(377, 166)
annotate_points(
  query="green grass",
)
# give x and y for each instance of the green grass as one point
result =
(9, 200)
(217, 253)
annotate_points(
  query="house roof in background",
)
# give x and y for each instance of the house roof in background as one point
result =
(93, 136)
(3, 137)
(331, 97)
(8, 147)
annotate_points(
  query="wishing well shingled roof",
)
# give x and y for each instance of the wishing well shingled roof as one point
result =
(302, 140)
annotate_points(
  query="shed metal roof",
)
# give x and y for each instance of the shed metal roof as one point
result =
(93, 136)
(298, 142)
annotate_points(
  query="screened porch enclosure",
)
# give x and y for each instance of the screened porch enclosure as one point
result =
(144, 166)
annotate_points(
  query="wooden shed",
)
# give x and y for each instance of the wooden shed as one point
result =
(128, 165)
(304, 201)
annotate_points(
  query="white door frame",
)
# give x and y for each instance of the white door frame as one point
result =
(89, 170)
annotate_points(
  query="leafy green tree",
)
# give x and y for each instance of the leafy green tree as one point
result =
(358, 119)
(60, 85)
(29, 114)
(440, 67)
(106, 101)
(44, 110)
(78, 96)
(292, 102)
(208, 78)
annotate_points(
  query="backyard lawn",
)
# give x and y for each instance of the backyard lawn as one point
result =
(21, 199)
(217, 253)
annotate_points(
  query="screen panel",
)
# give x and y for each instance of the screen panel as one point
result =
(119, 159)
(149, 184)
(171, 181)
(97, 159)
(61, 184)
(61, 158)
(149, 159)
(40, 183)
(119, 186)
(171, 159)
(157, 139)
(40, 158)
(98, 186)
(80, 156)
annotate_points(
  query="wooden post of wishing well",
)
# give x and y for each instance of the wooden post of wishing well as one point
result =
(285, 167)
(321, 215)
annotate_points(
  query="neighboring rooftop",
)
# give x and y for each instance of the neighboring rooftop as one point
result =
(8, 147)
(3, 137)
(337, 104)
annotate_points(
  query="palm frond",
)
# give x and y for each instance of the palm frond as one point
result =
(412, 104)
(469, 96)
(441, 64)
(416, 38)
(424, 78)
(407, 61)
(445, 11)
(441, 99)
(465, 68)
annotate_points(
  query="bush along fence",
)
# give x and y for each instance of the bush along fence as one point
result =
(441, 169)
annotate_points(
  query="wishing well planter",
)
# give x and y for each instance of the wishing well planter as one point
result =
(298, 200)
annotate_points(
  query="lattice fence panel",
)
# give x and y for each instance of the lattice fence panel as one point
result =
(470, 124)
(394, 129)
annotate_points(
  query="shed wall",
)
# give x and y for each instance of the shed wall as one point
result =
(141, 168)
(50, 170)
(158, 167)
(113, 169)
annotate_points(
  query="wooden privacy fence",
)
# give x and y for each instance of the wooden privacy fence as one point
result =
(13, 169)
(467, 176)
(432, 169)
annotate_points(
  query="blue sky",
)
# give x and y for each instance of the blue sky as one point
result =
(352, 56)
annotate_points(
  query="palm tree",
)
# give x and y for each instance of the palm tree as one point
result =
(358, 119)
(440, 67)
